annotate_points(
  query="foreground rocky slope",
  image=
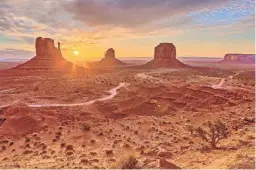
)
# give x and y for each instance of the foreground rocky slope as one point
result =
(147, 120)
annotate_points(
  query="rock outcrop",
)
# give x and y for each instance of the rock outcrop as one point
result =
(48, 58)
(163, 164)
(165, 56)
(165, 51)
(110, 53)
(108, 61)
(239, 58)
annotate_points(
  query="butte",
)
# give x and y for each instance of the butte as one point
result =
(165, 57)
(108, 61)
(48, 59)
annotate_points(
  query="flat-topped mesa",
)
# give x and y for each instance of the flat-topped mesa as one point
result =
(45, 47)
(165, 51)
(239, 58)
(110, 53)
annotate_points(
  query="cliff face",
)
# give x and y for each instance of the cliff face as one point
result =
(239, 58)
(165, 56)
(165, 51)
(45, 48)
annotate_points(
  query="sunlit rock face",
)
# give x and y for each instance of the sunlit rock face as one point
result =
(110, 53)
(165, 51)
(45, 47)
(239, 58)
(165, 56)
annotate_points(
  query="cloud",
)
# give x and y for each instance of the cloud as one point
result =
(14, 53)
(90, 22)
(134, 13)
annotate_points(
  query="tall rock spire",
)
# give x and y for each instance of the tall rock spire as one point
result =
(59, 46)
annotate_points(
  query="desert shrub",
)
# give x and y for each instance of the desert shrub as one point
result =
(128, 162)
(243, 162)
(215, 132)
(203, 148)
(36, 88)
(190, 128)
(86, 127)
(27, 140)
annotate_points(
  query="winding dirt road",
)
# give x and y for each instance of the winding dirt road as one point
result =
(215, 86)
(223, 80)
(113, 93)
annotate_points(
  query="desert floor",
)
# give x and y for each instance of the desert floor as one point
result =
(146, 119)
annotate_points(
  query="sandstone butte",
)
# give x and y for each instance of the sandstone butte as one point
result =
(165, 56)
(48, 58)
(109, 60)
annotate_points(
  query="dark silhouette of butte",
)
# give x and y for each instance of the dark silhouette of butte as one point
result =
(165, 57)
(108, 61)
(48, 58)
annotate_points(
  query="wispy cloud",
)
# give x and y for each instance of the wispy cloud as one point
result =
(89, 22)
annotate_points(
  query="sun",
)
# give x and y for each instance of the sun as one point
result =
(76, 52)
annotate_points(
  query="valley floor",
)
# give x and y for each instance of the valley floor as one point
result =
(147, 118)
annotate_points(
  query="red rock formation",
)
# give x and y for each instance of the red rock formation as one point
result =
(59, 46)
(239, 58)
(165, 51)
(45, 47)
(110, 53)
(48, 58)
(163, 164)
(108, 61)
(165, 56)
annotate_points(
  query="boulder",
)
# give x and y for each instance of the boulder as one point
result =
(163, 164)
(164, 154)
(2, 120)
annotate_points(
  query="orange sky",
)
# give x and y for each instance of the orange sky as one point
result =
(198, 28)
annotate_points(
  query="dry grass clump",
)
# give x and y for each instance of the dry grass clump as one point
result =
(127, 162)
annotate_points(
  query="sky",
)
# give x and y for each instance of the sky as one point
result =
(199, 28)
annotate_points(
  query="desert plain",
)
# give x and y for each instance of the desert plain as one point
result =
(48, 121)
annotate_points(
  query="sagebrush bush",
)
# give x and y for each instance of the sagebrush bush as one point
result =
(128, 162)
(86, 127)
